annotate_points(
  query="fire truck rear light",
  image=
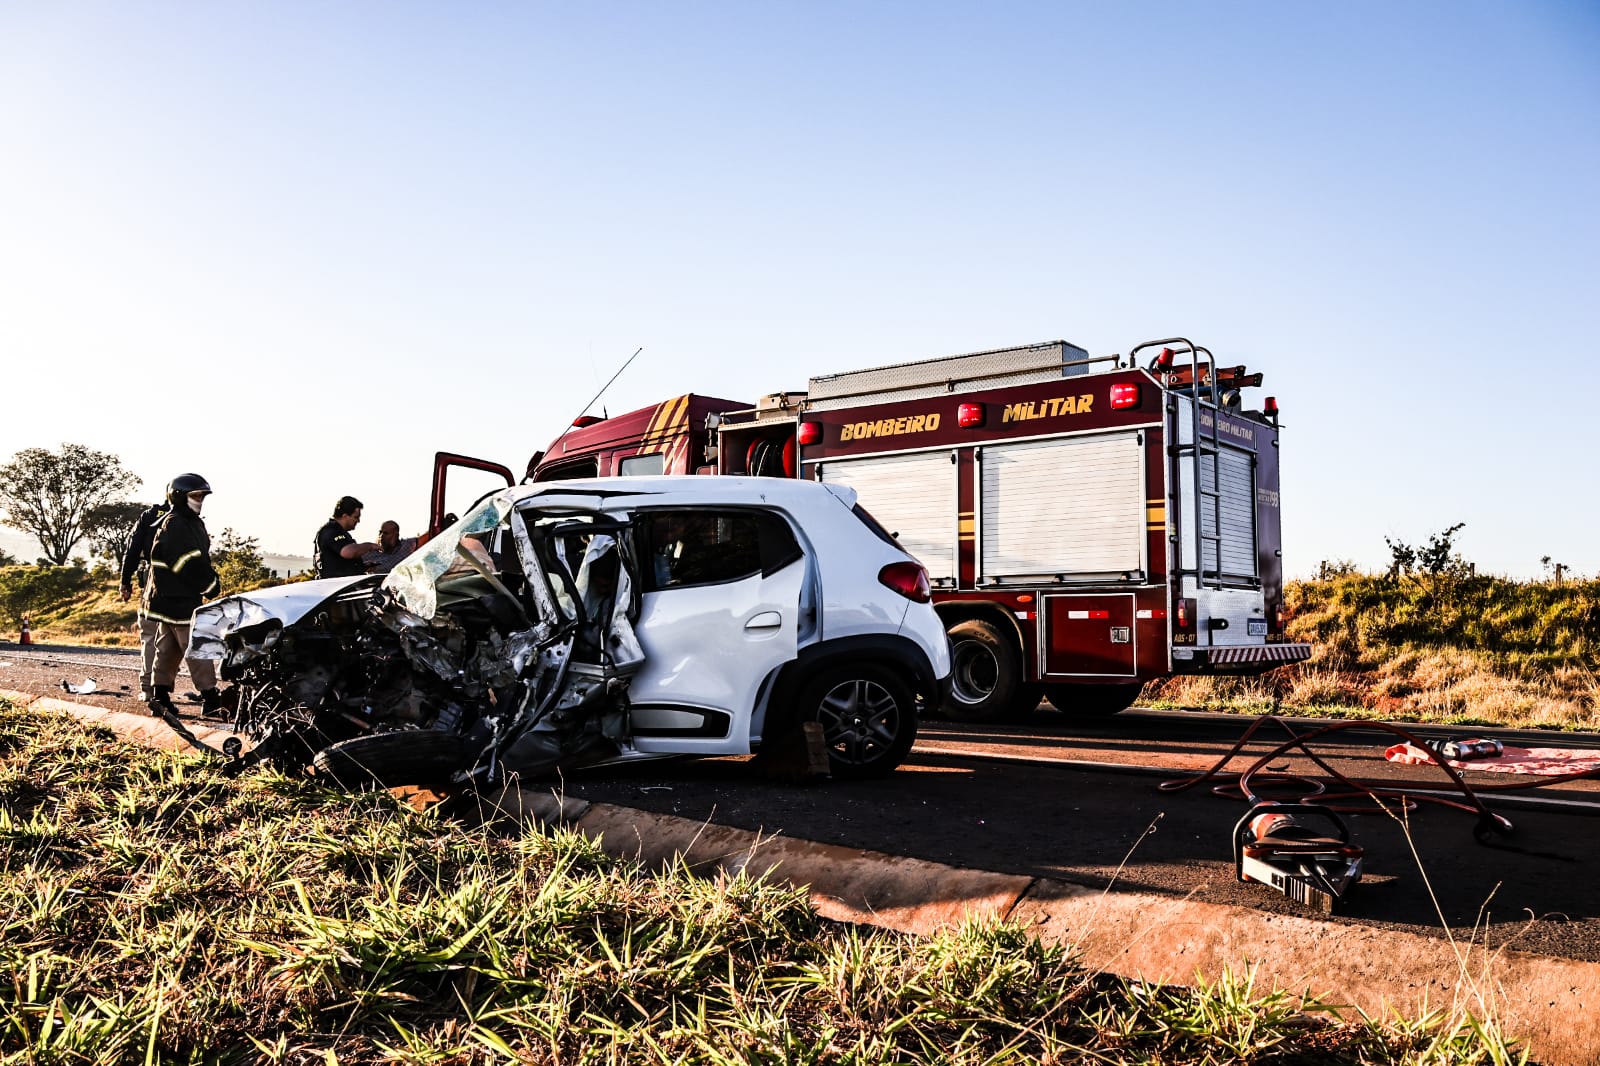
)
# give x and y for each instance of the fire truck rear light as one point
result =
(1271, 406)
(1278, 618)
(908, 579)
(1164, 360)
(1124, 396)
(1185, 619)
(969, 415)
(585, 420)
(809, 433)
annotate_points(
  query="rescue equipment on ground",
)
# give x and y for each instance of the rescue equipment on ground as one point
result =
(1275, 846)
(27, 634)
(1474, 748)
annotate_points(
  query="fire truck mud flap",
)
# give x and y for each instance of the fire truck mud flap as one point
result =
(1244, 659)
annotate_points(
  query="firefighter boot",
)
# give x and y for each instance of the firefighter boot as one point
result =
(161, 701)
(210, 703)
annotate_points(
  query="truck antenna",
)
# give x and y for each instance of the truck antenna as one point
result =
(603, 389)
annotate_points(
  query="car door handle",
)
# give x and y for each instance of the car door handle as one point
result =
(765, 620)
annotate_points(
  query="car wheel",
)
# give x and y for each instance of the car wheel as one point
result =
(400, 757)
(985, 672)
(868, 717)
(1092, 701)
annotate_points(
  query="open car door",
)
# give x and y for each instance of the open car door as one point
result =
(466, 490)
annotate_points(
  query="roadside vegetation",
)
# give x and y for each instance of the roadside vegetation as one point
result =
(153, 910)
(1429, 640)
(79, 604)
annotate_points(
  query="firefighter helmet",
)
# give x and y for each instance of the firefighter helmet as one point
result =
(184, 484)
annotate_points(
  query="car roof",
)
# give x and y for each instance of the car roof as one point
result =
(669, 489)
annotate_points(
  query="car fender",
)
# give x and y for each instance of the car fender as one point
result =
(900, 653)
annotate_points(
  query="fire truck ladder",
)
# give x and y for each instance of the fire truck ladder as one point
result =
(1204, 452)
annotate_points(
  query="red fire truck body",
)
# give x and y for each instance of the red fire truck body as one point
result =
(1087, 524)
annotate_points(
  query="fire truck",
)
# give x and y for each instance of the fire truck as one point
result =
(1088, 524)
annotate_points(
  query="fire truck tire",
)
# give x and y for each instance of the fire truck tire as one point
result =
(985, 672)
(868, 716)
(402, 757)
(1092, 701)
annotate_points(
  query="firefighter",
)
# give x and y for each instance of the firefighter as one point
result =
(181, 578)
(137, 558)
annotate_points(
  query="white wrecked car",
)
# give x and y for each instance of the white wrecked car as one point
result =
(582, 622)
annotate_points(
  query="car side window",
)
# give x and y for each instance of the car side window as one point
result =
(708, 547)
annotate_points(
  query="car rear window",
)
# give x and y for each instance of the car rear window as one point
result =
(874, 525)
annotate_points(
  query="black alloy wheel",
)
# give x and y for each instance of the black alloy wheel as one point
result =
(868, 717)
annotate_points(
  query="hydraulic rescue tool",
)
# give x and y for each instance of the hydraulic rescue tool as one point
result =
(1273, 845)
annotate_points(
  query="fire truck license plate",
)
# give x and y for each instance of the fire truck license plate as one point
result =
(1256, 627)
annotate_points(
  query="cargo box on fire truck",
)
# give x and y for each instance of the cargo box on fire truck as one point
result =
(1087, 524)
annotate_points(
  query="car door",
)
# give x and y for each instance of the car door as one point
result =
(719, 612)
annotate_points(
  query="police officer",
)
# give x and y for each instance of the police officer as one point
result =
(336, 553)
(181, 579)
(137, 557)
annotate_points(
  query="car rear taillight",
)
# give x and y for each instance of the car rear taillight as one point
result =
(1124, 396)
(969, 415)
(809, 433)
(1185, 614)
(908, 579)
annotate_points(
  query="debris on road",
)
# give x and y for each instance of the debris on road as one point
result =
(87, 687)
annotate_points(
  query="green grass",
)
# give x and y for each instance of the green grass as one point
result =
(152, 910)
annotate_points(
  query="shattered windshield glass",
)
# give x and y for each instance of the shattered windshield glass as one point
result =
(414, 582)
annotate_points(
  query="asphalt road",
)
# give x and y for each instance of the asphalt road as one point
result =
(1080, 802)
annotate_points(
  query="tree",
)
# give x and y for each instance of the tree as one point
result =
(109, 529)
(237, 561)
(50, 494)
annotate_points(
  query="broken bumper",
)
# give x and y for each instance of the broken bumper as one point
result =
(1242, 659)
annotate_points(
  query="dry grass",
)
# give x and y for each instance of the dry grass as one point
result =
(1456, 650)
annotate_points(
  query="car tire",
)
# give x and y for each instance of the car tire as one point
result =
(868, 716)
(985, 672)
(399, 757)
(1092, 701)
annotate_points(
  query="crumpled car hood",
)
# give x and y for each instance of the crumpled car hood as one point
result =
(283, 604)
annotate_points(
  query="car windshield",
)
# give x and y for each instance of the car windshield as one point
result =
(414, 583)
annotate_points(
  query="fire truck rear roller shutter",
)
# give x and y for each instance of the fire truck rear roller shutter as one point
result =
(1237, 471)
(1063, 507)
(912, 495)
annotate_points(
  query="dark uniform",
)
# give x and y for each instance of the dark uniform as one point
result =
(325, 557)
(144, 534)
(181, 579)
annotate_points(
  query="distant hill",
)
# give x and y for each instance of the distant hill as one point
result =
(286, 565)
(25, 549)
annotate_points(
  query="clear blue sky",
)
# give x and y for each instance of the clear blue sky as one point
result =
(300, 247)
